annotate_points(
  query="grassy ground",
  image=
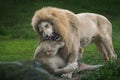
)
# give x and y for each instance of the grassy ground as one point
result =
(17, 49)
(18, 40)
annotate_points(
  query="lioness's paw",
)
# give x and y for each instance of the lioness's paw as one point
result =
(68, 75)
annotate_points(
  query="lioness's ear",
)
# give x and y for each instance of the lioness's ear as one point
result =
(47, 53)
(60, 44)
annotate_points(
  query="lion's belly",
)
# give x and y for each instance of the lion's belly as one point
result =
(86, 41)
(87, 37)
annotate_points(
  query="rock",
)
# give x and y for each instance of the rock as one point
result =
(23, 70)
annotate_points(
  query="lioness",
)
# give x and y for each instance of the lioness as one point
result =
(47, 54)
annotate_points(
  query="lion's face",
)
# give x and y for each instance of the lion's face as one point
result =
(46, 29)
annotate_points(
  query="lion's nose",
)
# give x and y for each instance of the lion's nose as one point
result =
(47, 37)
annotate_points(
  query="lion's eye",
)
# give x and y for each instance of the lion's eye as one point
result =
(46, 26)
(41, 32)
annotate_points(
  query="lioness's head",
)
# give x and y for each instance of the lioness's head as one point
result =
(48, 48)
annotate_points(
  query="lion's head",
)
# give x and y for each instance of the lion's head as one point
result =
(50, 21)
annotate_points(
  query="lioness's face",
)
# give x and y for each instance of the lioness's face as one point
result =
(46, 29)
(49, 48)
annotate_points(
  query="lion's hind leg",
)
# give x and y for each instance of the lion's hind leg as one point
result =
(102, 50)
(105, 36)
(106, 40)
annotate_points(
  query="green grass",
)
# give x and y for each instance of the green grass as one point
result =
(110, 71)
(17, 49)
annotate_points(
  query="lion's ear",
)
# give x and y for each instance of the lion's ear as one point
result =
(34, 22)
(72, 19)
(54, 14)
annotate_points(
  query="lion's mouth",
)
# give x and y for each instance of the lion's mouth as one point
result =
(55, 36)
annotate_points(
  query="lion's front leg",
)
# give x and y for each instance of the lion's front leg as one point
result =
(67, 71)
(71, 66)
(72, 61)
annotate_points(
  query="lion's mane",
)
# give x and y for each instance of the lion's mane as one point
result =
(64, 22)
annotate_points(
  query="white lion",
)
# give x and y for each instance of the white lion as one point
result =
(76, 30)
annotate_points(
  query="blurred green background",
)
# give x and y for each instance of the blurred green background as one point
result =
(18, 40)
